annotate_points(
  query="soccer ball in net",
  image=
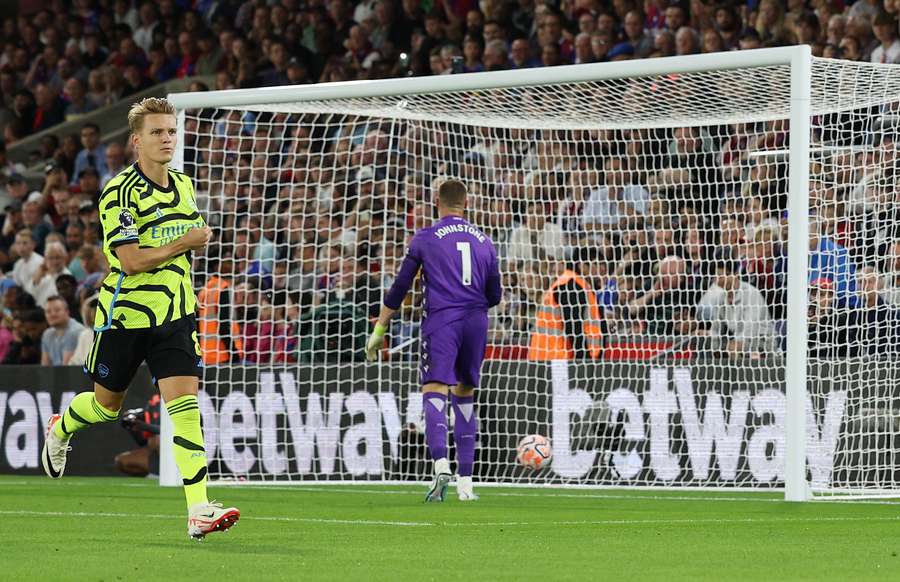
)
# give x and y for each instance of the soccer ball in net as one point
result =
(534, 452)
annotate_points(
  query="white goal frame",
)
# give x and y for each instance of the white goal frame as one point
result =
(798, 58)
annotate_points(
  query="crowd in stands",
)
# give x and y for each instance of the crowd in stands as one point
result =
(303, 216)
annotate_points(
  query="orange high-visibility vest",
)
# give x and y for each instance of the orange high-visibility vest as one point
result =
(549, 341)
(211, 344)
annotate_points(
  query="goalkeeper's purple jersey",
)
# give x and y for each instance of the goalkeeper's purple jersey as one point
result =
(460, 273)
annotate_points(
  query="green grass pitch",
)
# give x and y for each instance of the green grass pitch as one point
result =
(126, 529)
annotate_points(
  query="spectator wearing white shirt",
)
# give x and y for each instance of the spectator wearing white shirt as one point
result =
(29, 261)
(618, 199)
(536, 238)
(59, 340)
(736, 311)
(42, 285)
(143, 35)
(885, 29)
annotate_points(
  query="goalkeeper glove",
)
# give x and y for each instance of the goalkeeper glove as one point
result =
(376, 342)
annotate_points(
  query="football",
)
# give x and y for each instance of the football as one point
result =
(534, 452)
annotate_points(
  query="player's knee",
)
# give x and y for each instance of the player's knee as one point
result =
(463, 390)
(435, 387)
(108, 399)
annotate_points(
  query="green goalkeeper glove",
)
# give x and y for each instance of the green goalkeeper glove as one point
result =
(376, 342)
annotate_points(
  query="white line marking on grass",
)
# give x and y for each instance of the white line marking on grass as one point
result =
(368, 522)
(253, 518)
(536, 492)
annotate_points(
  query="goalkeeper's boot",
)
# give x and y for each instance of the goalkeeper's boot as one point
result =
(438, 490)
(464, 489)
(53, 457)
(206, 518)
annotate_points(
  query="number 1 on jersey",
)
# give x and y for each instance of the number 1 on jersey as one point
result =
(465, 249)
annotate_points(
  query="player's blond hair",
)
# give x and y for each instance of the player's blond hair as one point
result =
(145, 107)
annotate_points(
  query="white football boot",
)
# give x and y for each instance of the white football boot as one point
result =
(438, 490)
(53, 457)
(206, 518)
(464, 489)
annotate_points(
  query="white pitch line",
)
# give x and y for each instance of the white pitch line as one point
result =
(366, 522)
(534, 493)
(25, 512)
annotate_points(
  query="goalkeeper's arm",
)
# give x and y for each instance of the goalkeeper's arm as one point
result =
(392, 302)
(376, 340)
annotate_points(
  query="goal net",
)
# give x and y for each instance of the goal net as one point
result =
(667, 192)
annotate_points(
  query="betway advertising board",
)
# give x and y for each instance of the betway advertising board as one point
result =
(705, 424)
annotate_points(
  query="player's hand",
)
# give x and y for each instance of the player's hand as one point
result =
(376, 342)
(197, 238)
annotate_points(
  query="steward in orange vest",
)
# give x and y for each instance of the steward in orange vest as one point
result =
(568, 321)
(220, 338)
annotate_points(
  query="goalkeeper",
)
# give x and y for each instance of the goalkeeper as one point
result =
(145, 312)
(461, 280)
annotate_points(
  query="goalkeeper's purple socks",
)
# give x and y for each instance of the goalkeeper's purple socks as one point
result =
(435, 406)
(465, 425)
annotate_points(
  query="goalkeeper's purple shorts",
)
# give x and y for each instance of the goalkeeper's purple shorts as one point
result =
(453, 351)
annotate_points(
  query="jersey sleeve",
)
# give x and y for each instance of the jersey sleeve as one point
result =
(408, 270)
(493, 290)
(118, 216)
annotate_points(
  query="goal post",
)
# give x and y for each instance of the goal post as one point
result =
(683, 169)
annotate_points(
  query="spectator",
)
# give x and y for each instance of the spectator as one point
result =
(570, 305)
(766, 269)
(135, 80)
(209, 55)
(736, 313)
(536, 238)
(16, 189)
(89, 185)
(277, 75)
(686, 41)
(29, 261)
(34, 220)
(49, 108)
(667, 307)
(664, 44)
(67, 286)
(610, 204)
(28, 329)
(885, 28)
(78, 101)
(93, 152)
(495, 55)
(94, 54)
(641, 42)
(115, 162)
(42, 285)
(831, 333)
(520, 55)
(830, 261)
(877, 322)
(143, 34)
(60, 339)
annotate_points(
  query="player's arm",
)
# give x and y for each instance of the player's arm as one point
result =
(119, 219)
(393, 300)
(136, 259)
(493, 290)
